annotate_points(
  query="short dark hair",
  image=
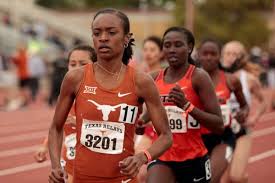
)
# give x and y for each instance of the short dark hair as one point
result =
(87, 48)
(128, 51)
(189, 37)
(211, 40)
(219, 45)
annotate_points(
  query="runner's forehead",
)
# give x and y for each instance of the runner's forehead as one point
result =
(107, 21)
(232, 48)
(209, 46)
(79, 55)
(174, 36)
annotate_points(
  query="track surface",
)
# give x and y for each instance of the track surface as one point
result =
(22, 131)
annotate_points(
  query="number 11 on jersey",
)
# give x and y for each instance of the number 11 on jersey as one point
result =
(128, 113)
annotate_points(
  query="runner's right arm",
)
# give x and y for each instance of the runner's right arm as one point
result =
(65, 101)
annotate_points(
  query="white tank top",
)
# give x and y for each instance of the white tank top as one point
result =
(246, 91)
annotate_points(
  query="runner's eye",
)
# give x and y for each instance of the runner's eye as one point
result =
(96, 34)
(167, 45)
(112, 33)
(179, 44)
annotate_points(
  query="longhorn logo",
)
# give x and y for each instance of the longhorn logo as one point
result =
(105, 109)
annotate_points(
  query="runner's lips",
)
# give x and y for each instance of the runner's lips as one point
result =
(172, 58)
(104, 47)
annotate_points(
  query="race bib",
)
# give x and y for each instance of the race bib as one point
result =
(192, 123)
(70, 142)
(226, 110)
(103, 137)
(176, 118)
(128, 113)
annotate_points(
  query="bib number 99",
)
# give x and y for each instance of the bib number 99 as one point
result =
(175, 124)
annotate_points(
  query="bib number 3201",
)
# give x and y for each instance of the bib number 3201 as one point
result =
(103, 137)
(100, 142)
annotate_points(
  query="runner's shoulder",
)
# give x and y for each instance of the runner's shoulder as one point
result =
(73, 79)
(199, 72)
(142, 78)
(75, 75)
(199, 75)
(144, 84)
(200, 79)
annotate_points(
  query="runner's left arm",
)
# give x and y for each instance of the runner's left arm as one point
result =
(235, 86)
(257, 92)
(211, 116)
(157, 115)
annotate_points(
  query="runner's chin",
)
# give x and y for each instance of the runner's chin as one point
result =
(105, 53)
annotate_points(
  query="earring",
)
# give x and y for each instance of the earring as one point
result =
(125, 45)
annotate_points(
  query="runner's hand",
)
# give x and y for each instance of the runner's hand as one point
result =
(241, 116)
(130, 166)
(57, 176)
(140, 127)
(41, 154)
(177, 96)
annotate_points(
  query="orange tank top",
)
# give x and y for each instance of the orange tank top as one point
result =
(223, 94)
(105, 124)
(187, 141)
(21, 60)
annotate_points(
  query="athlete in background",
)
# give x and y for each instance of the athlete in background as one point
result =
(221, 147)
(236, 60)
(77, 57)
(190, 101)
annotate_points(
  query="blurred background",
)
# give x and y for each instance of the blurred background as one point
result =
(41, 27)
(49, 26)
(35, 36)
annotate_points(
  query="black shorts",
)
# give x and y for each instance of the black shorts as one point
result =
(189, 171)
(210, 141)
(229, 138)
(243, 131)
(23, 83)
